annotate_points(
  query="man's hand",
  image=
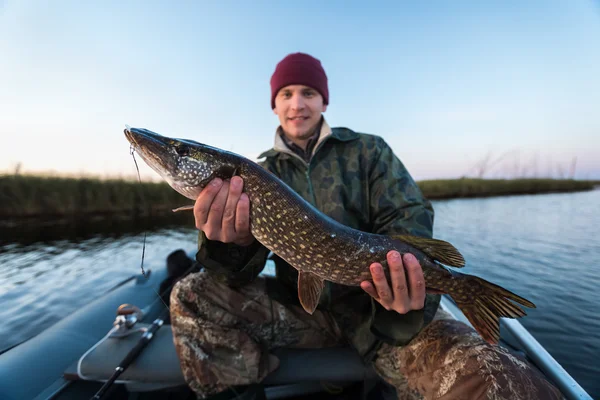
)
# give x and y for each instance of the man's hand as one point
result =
(222, 212)
(406, 292)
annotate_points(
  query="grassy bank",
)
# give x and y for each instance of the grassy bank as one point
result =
(23, 196)
(464, 188)
(35, 196)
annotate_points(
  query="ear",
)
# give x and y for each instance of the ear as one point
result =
(324, 107)
(275, 111)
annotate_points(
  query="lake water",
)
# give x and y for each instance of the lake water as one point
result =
(544, 247)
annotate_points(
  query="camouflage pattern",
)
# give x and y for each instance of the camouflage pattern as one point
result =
(357, 180)
(225, 336)
(449, 360)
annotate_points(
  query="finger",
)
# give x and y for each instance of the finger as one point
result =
(204, 200)
(398, 278)
(416, 281)
(242, 215)
(215, 214)
(370, 289)
(381, 285)
(228, 222)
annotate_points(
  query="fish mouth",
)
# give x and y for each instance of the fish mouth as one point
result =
(156, 150)
(145, 139)
(152, 147)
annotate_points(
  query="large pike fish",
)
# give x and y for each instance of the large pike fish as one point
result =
(320, 248)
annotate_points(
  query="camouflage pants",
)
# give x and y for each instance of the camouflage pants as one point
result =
(223, 337)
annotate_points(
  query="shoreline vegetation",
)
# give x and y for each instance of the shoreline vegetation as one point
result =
(25, 197)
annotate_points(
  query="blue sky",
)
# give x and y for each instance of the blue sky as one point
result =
(446, 83)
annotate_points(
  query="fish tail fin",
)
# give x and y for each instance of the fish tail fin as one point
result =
(485, 303)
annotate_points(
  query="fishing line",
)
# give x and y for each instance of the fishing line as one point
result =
(132, 152)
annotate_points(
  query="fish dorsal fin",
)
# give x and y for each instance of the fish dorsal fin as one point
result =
(310, 287)
(439, 250)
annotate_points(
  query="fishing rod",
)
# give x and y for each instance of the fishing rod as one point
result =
(130, 357)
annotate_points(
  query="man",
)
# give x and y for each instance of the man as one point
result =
(226, 319)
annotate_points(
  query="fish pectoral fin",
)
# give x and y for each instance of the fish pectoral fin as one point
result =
(183, 208)
(310, 287)
(437, 249)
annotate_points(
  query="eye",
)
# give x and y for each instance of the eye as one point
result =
(182, 151)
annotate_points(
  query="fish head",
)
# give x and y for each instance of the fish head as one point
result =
(187, 166)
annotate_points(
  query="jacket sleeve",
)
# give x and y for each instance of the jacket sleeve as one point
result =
(397, 206)
(236, 265)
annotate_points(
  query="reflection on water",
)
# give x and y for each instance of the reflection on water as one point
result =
(543, 247)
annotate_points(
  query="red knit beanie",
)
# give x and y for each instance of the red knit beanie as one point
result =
(299, 69)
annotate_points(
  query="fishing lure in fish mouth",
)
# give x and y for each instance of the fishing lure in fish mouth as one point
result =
(320, 248)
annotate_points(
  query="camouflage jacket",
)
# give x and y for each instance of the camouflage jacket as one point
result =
(356, 179)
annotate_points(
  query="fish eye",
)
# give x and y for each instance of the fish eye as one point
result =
(183, 151)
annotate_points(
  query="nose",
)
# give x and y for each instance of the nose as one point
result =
(297, 102)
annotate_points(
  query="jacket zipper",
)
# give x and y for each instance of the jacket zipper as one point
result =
(311, 191)
(310, 186)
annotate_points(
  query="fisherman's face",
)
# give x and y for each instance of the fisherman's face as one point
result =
(299, 110)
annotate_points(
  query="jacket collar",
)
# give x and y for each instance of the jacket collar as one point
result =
(326, 133)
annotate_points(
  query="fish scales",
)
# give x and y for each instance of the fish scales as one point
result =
(346, 253)
(319, 247)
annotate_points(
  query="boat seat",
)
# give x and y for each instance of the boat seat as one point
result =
(158, 366)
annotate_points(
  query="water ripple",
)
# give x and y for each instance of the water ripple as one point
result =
(546, 249)
(44, 282)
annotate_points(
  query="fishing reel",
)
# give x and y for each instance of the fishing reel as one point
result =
(127, 316)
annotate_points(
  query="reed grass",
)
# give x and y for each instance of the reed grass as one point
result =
(42, 196)
(468, 187)
(50, 196)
